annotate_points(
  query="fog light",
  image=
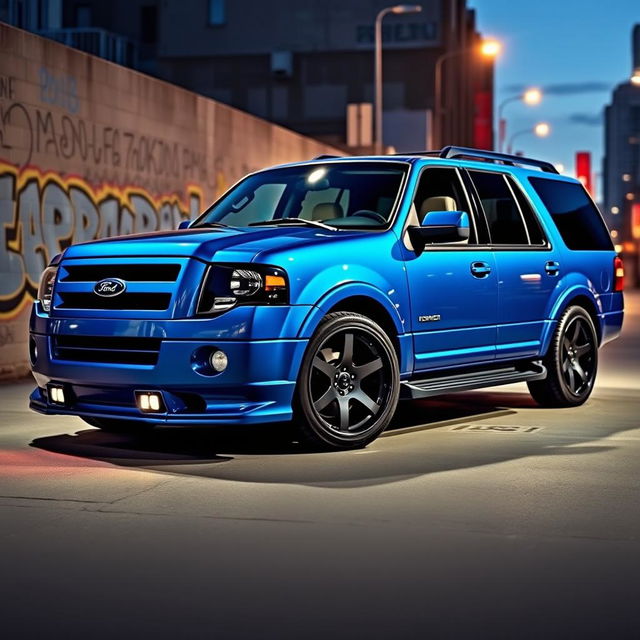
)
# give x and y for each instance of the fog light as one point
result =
(218, 361)
(56, 394)
(150, 401)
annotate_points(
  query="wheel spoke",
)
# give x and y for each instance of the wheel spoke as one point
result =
(324, 400)
(572, 379)
(566, 364)
(369, 403)
(367, 369)
(583, 349)
(343, 404)
(324, 366)
(580, 371)
(566, 343)
(576, 332)
(347, 350)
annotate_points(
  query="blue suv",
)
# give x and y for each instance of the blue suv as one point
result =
(323, 291)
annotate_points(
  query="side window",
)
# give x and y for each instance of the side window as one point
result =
(574, 214)
(440, 189)
(506, 224)
(536, 234)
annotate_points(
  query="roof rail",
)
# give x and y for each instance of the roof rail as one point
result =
(479, 154)
(492, 156)
(326, 157)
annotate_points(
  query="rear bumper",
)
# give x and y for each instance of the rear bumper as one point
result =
(257, 385)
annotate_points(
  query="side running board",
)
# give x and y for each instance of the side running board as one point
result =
(438, 384)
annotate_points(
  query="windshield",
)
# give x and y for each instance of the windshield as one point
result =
(350, 194)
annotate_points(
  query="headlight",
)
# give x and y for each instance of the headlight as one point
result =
(45, 290)
(227, 286)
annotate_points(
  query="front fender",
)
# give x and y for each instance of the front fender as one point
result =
(348, 290)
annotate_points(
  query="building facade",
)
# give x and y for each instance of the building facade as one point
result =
(621, 165)
(299, 63)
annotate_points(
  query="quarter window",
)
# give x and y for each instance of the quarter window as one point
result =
(574, 214)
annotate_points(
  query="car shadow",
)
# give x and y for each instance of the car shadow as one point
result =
(272, 454)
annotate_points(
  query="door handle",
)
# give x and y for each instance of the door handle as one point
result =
(552, 267)
(480, 269)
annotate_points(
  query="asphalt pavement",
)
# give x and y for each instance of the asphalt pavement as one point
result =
(477, 515)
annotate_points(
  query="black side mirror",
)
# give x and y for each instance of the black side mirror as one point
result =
(184, 224)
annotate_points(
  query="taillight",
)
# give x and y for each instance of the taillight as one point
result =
(618, 274)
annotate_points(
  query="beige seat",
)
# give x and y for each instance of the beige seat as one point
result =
(436, 203)
(327, 211)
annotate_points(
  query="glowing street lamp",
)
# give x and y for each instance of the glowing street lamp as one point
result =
(489, 48)
(635, 78)
(531, 97)
(541, 129)
(398, 9)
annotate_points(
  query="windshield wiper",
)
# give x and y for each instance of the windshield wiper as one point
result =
(310, 223)
(211, 224)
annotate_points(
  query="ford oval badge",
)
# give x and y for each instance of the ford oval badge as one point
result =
(110, 287)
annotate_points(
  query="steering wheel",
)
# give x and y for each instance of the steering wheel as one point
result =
(373, 215)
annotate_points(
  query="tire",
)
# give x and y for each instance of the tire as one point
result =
(348, 385)
(113, 425)
(571, 362)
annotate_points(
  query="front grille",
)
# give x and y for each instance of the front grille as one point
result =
(129, 272)
(125, 301)
(112, 350)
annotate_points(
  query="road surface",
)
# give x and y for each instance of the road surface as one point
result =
(478, 515)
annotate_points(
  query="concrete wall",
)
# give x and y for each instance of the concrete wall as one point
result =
(89, 150)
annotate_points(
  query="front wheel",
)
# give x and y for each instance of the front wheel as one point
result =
(572, 362)
(348, 385)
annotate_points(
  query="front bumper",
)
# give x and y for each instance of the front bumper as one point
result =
(256, 387)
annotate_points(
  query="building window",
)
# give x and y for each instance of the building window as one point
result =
(83, 16)
(216, 12)
(148, 24)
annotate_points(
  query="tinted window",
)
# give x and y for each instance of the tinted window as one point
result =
(506, 225)
(575, 215)
(536, 235)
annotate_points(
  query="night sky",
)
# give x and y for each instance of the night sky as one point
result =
(578, 49)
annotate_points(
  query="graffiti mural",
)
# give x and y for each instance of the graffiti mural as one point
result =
(42, 213)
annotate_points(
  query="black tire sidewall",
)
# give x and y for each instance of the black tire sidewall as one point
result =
(312, 428)
(570, 314)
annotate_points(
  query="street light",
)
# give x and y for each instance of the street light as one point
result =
(635, 78)
(488, 49)
(541, 129)
(531, 97)
(398, 9)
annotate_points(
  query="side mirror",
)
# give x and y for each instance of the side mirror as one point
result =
(184, 224)
(440, 227)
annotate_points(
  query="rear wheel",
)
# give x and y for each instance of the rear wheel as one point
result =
(572, 362)
(348, 384)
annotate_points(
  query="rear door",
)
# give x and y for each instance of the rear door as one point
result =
(527, 266)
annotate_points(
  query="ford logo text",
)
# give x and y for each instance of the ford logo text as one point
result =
(110, 287)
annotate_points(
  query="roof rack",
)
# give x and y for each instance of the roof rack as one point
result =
(486, 156)
(325, 157)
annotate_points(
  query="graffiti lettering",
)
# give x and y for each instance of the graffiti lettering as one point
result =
(42, 213)
(6, 335)
(7, 87)
(36, 131)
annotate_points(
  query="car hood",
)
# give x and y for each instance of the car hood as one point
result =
(224, 244)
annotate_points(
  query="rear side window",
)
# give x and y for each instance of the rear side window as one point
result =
(574, 214)
(506, 224)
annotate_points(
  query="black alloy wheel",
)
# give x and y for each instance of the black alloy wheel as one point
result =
(349, 383)
(572, 362)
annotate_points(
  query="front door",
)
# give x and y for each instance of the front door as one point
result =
(453, 287)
